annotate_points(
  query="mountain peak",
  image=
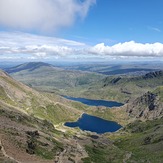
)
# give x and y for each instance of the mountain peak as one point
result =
(30, 66)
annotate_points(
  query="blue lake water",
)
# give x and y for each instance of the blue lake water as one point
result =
(95, 102)
(94, 124)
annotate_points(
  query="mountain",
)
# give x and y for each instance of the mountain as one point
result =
(124, 88)
(27, 66)
(31, 102)
(43, 76)
(141, 140)
(31, 128)
(48, 78)
(148, 106)
(27, 132)
(115, 68)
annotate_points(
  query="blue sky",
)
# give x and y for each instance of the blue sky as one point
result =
(52, 29)
(120, 21)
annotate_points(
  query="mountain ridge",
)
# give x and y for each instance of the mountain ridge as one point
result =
(30, 66)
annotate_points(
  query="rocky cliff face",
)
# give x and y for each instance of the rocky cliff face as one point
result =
(155, 74)
(148, 106)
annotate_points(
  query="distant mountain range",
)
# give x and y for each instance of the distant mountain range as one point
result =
(122, 88)
(46, 77)
(115, 68)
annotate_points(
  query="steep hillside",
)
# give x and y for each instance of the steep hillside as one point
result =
(27, 132)
(25, 138)
(31, 102)
(139, 141)
(148, 106)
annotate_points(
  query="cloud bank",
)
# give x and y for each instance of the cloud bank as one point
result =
(14, 45)
(42, 14)
(129, 49)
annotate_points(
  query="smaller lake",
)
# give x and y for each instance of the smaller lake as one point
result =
(95, 102)
(94, 124)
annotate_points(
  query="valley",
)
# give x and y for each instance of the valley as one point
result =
(33, 111)
(81, 81)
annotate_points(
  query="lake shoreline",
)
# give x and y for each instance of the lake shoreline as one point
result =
(94, 102)
(92, 123)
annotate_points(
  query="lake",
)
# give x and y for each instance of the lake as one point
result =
(94, 124)
(95, 102)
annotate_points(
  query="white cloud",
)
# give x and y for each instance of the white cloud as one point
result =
(24, 45)
(42, 14)
(37, 46)
(129, 49)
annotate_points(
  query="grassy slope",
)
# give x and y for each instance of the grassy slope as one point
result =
(128, 88)
(33, 103)
(14, 128)
(48, 106)
(138, 142)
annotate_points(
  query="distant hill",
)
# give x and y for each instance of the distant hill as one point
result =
(125, 88)
(132, 71)
(122, 88)
(31, 66)
(116, 68)
(46, 77)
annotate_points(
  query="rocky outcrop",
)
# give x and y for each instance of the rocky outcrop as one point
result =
(146, 107)
(111, 81)
(155, 74)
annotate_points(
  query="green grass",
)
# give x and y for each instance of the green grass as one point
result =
(145, 141)
(103, 154)
(48, 153)
(4, 97)
(159, 92)
(142, 141)
(55, 113)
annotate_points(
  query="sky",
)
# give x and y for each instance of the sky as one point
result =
(81, 29)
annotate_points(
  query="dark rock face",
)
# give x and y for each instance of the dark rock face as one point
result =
(33, 133)
(31, 146)
(146, 107)
(115, 80)
(108, 81)
(31, 142)
(153, 74)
